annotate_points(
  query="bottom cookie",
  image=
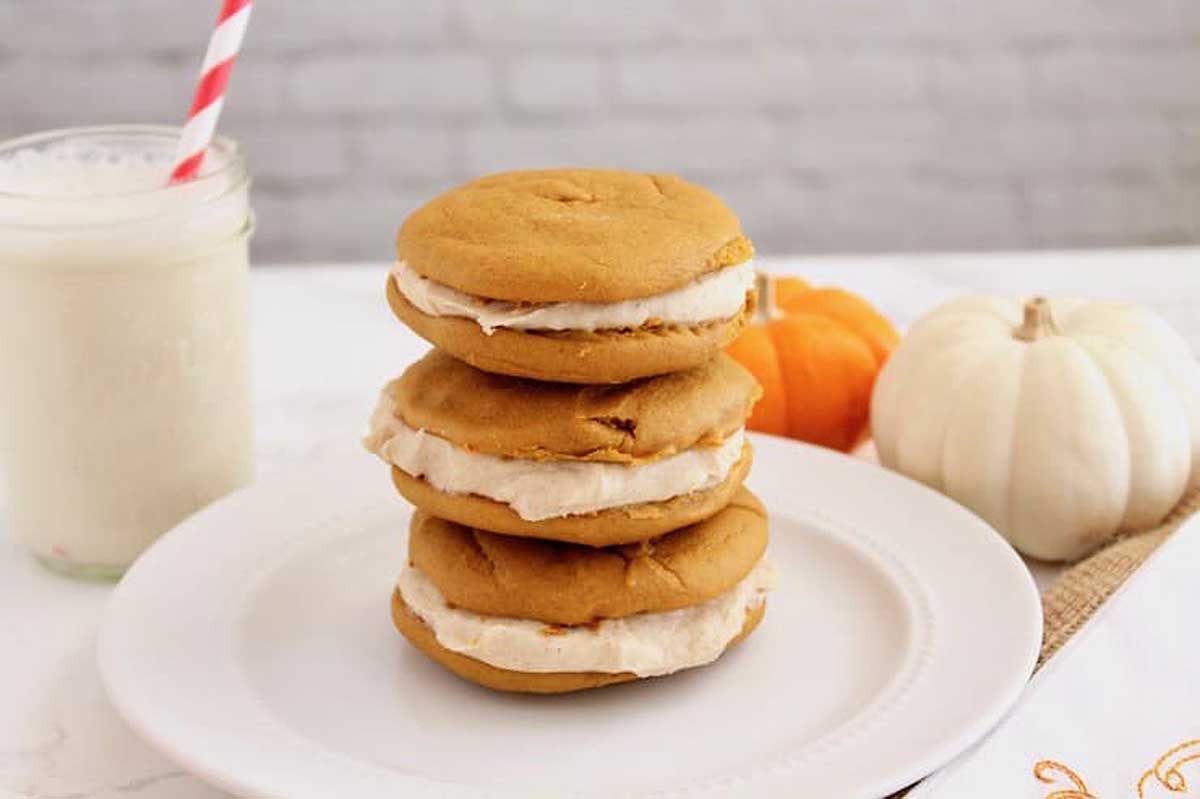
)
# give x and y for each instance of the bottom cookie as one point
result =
(421, 636)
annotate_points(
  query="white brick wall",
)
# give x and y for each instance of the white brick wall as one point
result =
(567, 24)
(557, 84)
(434, 83)
(829, 125)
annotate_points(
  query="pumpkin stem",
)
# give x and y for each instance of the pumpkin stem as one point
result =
(764, 287)
(1038, 322)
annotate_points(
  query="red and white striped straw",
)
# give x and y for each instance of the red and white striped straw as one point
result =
(201, 124)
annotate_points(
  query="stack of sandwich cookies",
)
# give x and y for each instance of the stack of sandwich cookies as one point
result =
(581, 517)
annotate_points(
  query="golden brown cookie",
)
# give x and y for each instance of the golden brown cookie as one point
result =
(623, 525)
(571, 235)
(476, 671)
(567, 584)
(602, 356)
(512, 417)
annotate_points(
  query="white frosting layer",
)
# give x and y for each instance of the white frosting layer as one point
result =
(647, 644)
(546, 489)
(718, 295)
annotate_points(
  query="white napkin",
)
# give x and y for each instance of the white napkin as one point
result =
(1116, 713)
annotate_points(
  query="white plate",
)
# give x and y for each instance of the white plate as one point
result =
(253, 645)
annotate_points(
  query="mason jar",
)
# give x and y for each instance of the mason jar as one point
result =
(124, 374)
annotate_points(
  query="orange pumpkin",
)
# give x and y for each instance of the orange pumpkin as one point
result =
(816, 352)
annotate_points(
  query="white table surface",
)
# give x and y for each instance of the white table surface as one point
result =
(324, 342)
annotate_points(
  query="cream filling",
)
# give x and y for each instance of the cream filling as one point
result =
(718, 295)
(646, 644)
(538, 490)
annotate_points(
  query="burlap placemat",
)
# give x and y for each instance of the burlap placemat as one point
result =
(1079, 592)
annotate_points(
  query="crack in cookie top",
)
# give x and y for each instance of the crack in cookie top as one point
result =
(632, 422)
(559, 583)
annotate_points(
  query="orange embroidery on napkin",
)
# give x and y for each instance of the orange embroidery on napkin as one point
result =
(1166, 768)
(1049, 771)
(1166, 772)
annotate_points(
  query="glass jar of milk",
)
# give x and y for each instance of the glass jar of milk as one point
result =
(124, 375)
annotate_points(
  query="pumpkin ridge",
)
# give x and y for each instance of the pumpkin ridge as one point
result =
(1130, 478)
(1136, 354)
(824, 352)
(984, 367)
(771, 330)
(1012, 444)
(846, 328)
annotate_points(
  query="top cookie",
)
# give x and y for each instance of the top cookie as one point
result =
(571, 235)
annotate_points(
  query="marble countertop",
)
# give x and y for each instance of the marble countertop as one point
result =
(324, 342)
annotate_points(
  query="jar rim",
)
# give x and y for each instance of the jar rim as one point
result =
(225, 180)
(232, 167)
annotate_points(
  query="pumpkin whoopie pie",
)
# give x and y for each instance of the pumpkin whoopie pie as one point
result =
(596, 465)
(546, 617)
(574, 275)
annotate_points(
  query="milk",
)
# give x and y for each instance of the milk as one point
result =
(124, 379)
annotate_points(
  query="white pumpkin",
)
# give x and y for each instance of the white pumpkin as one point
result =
(1061, 423)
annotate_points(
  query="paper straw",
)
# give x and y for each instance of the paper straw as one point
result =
(201, 124)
